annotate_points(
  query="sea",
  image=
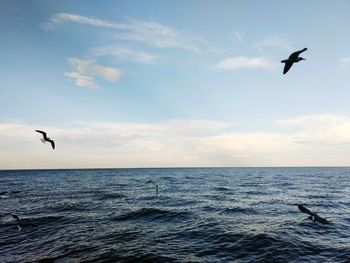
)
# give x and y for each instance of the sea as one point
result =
(198, 215)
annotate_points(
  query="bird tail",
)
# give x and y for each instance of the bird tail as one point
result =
(42, 140)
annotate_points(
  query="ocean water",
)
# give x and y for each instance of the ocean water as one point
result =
(199, 215)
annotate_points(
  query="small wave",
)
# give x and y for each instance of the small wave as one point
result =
(238, 209)
(110, 196)
(152, 214)
(222, 188)
(70, 207)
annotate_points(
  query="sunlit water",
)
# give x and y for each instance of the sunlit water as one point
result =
(199, 215)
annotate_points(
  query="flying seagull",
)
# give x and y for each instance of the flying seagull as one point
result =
(154, 183)
(46, 139)
(20, 225)
(293, 58)
(313, 217)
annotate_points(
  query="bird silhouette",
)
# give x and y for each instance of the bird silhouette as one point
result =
(293, 58)
(20, 225)
(46, 139)
(313, 217)
(154, 183)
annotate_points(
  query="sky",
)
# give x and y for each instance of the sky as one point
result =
(174, 83)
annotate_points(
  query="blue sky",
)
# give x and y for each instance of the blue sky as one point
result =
(174, 83)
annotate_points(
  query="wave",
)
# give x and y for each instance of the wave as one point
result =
(153, 214)
(238, 209)
(107, 196)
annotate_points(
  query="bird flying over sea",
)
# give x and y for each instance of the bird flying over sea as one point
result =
(46, 139)
(313, 217)
(293, 58)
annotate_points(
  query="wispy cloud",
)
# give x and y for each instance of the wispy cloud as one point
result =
(345, 60)
(123, 54)
(87, 67)
(305, 140)
(150, 33)
(81, 80)
(235, 63)
(276, 42)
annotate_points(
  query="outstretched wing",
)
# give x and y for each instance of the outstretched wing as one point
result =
(52, 143)
(287, 67)
(296, 54)
(15, 217)
(305, 210)
(43, 133)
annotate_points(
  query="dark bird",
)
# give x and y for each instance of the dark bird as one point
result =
(154, 183)
(4, 194)
(46, 139)
(20, 225)
(7, 194)
(313, 217)
(293, 58)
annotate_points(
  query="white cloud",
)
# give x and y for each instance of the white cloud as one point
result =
(234, 63)
(274, 42)
(123, 54)
(305, 140)
(150, 33)
(321, 129)
(86, 67)
(345, 60)
(81, 80)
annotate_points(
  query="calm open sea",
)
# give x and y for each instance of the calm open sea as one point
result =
(199, 215)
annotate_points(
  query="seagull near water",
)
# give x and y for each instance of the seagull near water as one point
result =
(154, 183)
(20, 225)
(293, 58)
(46, 139)
(313, 217)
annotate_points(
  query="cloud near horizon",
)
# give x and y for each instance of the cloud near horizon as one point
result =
(305, 140)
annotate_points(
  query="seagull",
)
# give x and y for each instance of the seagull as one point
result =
(313, 217)
(154, 183)
(20, 225)
(4, 195)
(293, 58)
(46, 139)
(7, 194)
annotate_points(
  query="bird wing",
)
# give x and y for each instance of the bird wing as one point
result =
(15, 217)
(287, 67)
(52, 143)
(305, 210)
(43, 133)
(296, 54)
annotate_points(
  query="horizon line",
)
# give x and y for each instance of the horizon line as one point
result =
(174, 167)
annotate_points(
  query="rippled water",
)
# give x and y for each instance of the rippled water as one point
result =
(199, 215)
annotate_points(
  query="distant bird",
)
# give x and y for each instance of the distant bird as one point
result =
(154, 183)
(313, 217)
(46, 139)
(20, 225)
(4, 194)
(293, 58)
(7, 194)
